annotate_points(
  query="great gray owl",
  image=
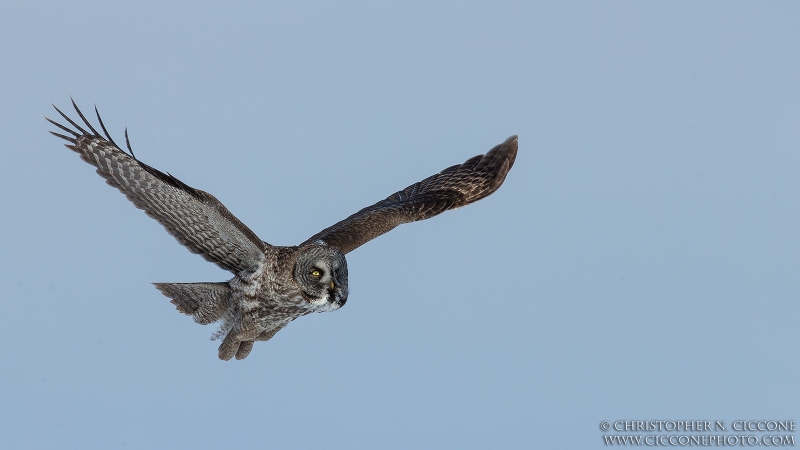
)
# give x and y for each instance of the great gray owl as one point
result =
(271, 285)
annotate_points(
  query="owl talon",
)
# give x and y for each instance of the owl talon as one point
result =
(244, 349)
(229, 347)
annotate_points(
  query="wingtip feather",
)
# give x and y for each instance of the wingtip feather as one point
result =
(80, 114)
(72, 132)
(70, 120)
(103, 126)
(66, 138)
(128, 144)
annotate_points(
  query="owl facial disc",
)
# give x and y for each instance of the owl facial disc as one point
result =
(321, 273)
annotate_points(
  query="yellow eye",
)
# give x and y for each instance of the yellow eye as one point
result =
(316, 273)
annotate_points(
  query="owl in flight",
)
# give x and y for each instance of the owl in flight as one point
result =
(271, 285)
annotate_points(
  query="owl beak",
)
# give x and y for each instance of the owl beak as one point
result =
(338, 301)
(332, 291)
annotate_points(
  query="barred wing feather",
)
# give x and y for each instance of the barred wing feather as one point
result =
(194, 217)
(456, 186)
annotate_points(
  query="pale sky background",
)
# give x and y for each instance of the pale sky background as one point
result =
(641, 261)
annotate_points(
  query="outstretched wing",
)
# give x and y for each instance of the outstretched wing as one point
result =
(196, 218)
(456, 186)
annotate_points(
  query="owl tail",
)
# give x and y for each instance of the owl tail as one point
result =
(205, 302)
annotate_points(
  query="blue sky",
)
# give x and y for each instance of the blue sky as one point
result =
(640, 262)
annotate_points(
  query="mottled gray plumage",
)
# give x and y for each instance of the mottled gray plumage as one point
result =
(271, 285)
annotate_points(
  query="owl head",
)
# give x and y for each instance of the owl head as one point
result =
(321, 273)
